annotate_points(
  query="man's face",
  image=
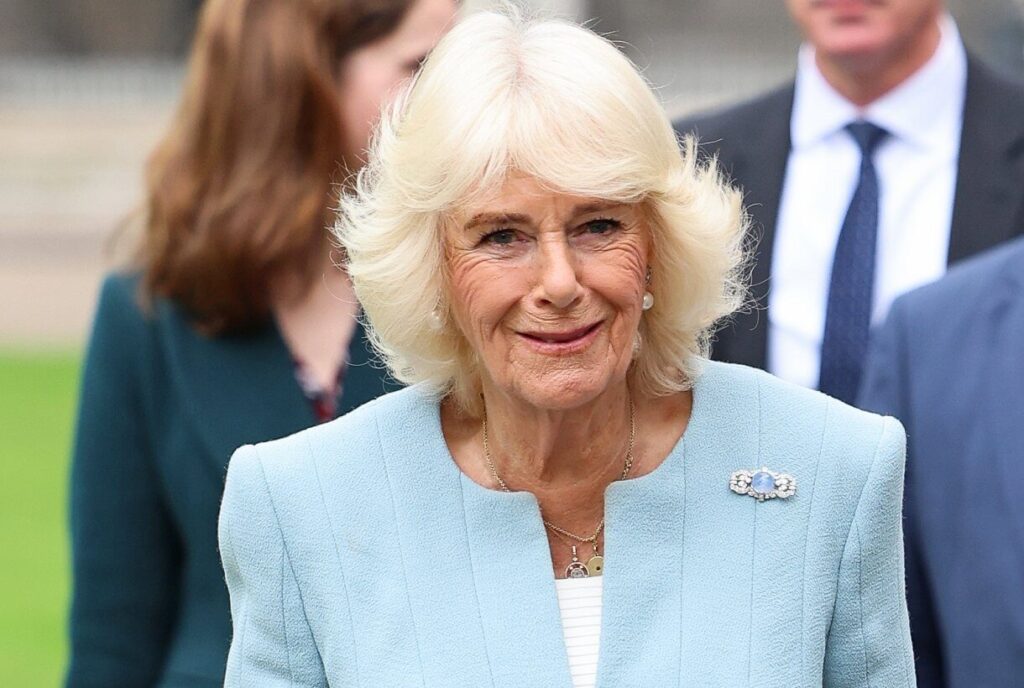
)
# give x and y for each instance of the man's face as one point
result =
(870, 32)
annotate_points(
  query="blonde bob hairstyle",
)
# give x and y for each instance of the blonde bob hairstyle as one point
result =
(555, 101)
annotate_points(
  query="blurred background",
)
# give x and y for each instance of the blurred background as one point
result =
(86, 87)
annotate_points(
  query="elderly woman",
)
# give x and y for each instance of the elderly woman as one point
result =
(569, 492)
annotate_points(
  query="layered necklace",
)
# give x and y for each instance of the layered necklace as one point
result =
(576, 568)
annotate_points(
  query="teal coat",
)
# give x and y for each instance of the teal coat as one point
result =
(357, 554)
(162, 408)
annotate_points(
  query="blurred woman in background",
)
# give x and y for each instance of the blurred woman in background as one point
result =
(232, 327)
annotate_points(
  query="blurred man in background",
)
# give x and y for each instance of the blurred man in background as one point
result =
(949, 363)
(893, 153)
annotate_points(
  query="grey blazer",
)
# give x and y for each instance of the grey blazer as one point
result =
(357, 554)
(949, 362)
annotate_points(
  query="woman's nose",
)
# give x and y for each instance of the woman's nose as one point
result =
(558, 279)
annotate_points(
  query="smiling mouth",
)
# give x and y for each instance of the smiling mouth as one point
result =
(565, 340)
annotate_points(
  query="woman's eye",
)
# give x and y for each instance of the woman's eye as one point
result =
(601, 226)
(500, 237)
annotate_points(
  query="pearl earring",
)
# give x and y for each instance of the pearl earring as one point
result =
(436, 321)
(648, 296)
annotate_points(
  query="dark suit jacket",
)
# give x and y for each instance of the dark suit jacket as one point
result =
(752, 142)
(949, 363)
(162, 409)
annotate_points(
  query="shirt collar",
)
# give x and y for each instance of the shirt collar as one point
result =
(925, 110)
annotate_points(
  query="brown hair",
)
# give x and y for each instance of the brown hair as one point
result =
(239, 189)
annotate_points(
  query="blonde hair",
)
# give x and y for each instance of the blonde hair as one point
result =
(554, 101)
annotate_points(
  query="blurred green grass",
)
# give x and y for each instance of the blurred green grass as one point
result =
(38, 392)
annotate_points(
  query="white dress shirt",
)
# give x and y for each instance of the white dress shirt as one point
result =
(579, 601)
(916, 166)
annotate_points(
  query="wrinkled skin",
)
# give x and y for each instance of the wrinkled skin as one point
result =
(547, 288)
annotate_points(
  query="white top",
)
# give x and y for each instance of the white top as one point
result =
(916, 166)
(579, 600)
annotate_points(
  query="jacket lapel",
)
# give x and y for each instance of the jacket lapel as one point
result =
(756, 158)
(1006, 387)
(988, 202)
(493, 567)
(238, 389)
(511, 564)
(679, 545)
(642, 595)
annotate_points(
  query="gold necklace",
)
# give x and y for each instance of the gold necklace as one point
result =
(576, 568)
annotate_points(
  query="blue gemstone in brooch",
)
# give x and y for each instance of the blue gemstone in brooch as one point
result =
(762, 484)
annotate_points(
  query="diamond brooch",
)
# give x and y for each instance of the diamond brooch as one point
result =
(762, 484)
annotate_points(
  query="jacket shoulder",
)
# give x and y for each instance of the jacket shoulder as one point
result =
(780, 400)
(852, 454)
(121, 334)
(982, 80)
(347, 444)
(320, 481)
(965, 290)
(739, 120)
(120, 299)
(127, 310)
(825, 437)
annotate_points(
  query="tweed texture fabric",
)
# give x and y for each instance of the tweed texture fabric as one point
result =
(357, 554)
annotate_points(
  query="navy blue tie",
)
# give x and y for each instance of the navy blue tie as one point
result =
(848, 318)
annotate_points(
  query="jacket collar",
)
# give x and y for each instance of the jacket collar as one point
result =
(654, 522)
(1006, 385)
(760, 162)
(988, 204)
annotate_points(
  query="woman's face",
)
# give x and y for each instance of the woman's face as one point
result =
(370, 75)
(547, 289)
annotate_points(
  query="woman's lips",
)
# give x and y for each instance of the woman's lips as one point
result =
(846, 6)
(561, 342)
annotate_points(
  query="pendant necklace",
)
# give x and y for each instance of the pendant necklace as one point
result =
(576, 568)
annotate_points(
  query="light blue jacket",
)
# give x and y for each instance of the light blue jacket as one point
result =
(357, 554)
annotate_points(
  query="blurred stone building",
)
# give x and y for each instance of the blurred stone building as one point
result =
(108, 28)
(87, 86)
(696, 51)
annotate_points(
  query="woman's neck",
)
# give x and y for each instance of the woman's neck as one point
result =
(550, 450)
(566, 459)
(318, 325)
